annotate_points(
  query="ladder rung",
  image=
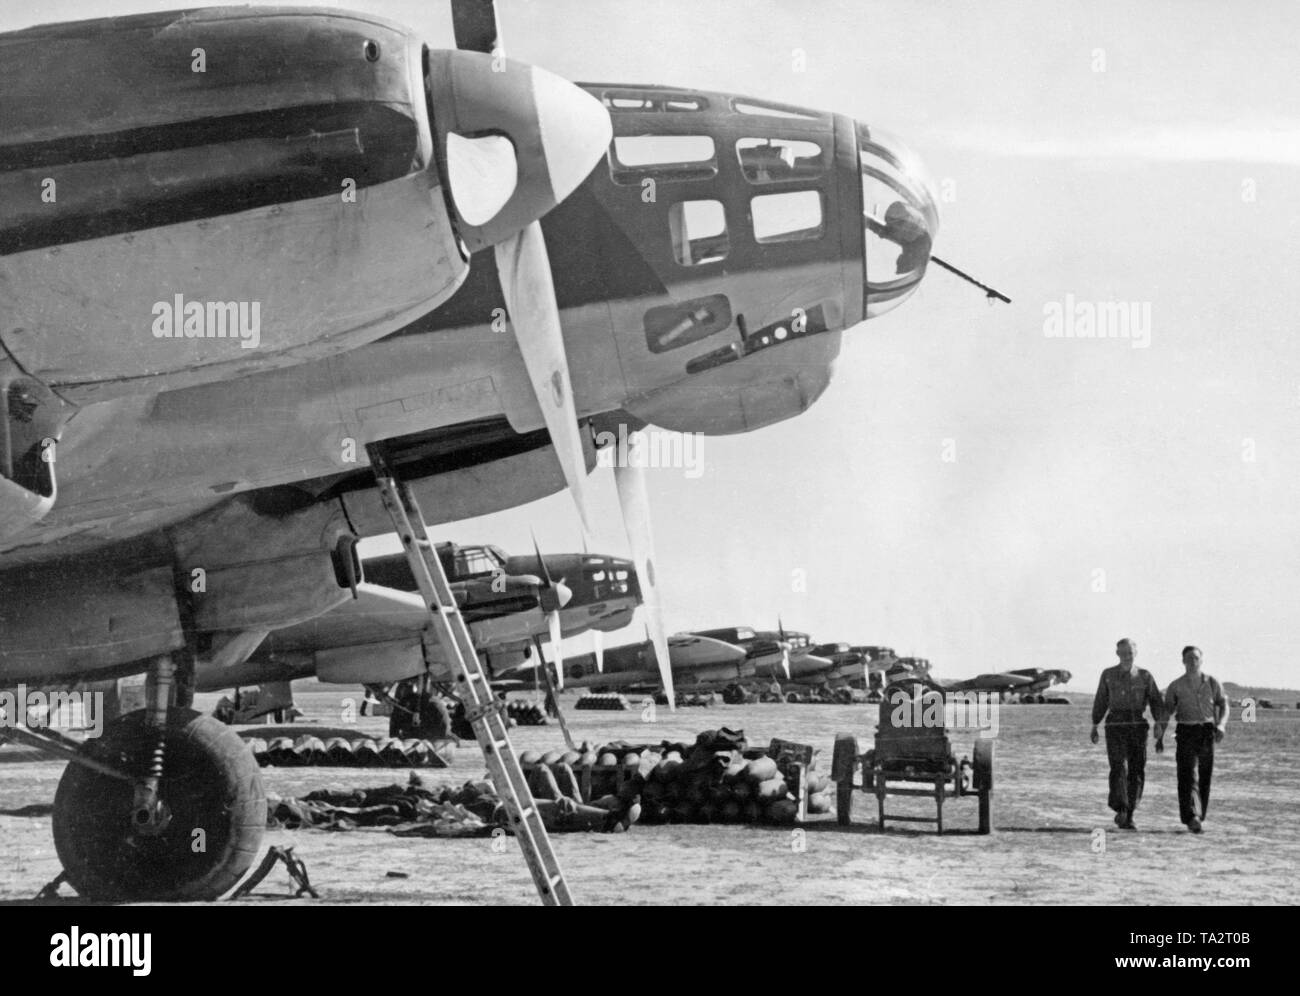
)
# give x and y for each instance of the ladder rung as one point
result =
(489, 726)
(485, 715)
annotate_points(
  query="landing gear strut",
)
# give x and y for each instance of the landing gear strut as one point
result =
(151, 814)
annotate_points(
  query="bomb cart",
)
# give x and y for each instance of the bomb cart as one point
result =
(913, 748)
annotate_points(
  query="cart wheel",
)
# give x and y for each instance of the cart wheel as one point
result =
(983, 764)
(986, 805)
(843, 760)
(844, 803)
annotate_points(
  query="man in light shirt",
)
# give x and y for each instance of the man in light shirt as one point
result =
(1197, 704)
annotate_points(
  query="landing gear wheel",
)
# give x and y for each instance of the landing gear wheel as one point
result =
(210, 783)
(434, 724)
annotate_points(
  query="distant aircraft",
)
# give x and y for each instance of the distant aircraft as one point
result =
(1040, 680)
(698, 662)
(765, 656)
(803, 665)
(381, 636)
(1027, 683)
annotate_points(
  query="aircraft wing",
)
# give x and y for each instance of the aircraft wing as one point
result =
(376, 615)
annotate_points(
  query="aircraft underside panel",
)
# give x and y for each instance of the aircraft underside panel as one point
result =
(381, 663)
(67, 620)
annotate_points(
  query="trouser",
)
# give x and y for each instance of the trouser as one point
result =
(1195, 760)
(1126, 747)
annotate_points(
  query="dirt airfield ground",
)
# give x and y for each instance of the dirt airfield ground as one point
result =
(1049, 798)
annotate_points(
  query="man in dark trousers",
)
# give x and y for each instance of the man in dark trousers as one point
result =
(1125, 692)
(1197, 704)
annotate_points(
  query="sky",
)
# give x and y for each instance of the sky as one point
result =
(970, 489)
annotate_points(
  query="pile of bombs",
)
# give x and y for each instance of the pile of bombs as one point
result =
(340, 752)
(809, 697)
(620, 703)
(715, 780)
(525, 713)
(705, 699)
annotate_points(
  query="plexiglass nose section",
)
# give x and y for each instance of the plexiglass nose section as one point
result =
(900, 217)
(556, 133)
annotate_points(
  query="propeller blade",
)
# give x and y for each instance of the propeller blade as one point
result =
(785, 660)
(635, 503)
(557, 648)
(525, 273)
(597, 636)
(542, 569)
(474, 23)
(555, 595)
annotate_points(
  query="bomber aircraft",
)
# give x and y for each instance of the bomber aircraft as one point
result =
(383, 635)
(271, 237)
(698, 662)
(1027, 684)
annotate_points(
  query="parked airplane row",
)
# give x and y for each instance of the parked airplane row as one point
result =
(221, 283)
(517, 604)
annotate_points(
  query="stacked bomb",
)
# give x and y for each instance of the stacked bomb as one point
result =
(525, 713)
(705, 699)
(824, 696)
(812, 696)
(572, 775)
(388, 752)
(714, 781)
(610, 701)
(716, 787)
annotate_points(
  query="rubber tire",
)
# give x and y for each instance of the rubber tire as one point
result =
(435, 722)
(986, 811)
(210, 781)
(844, 803)
(844, 760)
(983, 765)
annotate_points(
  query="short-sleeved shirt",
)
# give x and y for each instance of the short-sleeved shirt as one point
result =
(1192, 698)
(1122, 696)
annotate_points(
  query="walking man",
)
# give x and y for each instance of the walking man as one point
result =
(1125, 692)
(1197, 704)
